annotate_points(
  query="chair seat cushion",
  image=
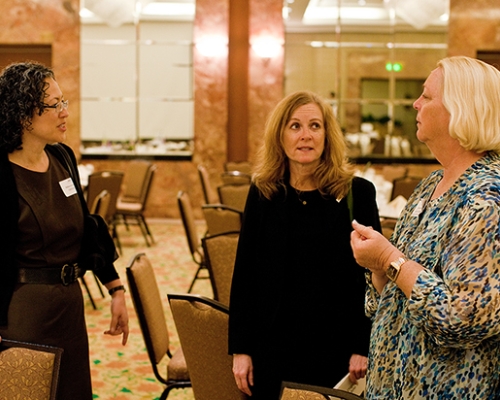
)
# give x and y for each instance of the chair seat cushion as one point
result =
(122, 206)
(177, 367)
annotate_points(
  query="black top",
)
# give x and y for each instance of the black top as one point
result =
(295, 275)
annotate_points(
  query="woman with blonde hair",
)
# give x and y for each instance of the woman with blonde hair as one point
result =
(295, 276)
(434, 290)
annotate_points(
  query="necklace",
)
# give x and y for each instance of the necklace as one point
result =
(299, 192)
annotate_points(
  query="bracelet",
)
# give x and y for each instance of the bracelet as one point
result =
(115, 289)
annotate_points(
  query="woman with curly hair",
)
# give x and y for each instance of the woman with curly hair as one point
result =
(41, 229)
(295, 276)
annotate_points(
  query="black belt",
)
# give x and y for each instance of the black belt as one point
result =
(67, 274)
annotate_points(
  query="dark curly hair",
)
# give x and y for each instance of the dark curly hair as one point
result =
(22, 93)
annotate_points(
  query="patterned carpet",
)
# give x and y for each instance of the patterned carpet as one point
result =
(124, 372)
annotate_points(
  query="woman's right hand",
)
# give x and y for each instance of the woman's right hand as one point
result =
(243, 372)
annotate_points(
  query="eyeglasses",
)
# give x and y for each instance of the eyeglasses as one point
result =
(62, 105)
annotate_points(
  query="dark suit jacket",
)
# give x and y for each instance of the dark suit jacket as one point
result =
(257, 285)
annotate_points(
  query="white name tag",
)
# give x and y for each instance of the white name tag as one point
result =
(419, 208)
(68, 187)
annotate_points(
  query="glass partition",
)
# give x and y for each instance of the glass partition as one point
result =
(372, 72)
(136, 85)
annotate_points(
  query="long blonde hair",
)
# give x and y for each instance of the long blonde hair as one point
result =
(332, 176)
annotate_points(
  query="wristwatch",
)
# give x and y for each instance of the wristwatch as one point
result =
(394, 268)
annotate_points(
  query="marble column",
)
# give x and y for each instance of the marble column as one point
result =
(55, 23)
(473, 25)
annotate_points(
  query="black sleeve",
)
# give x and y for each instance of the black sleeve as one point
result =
(365, 208)
(365, 211)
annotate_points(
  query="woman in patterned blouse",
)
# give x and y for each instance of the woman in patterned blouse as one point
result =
(434, 290)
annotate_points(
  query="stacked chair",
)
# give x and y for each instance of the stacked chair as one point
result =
(99, 206)
(148, 306)
(220, 254)
(202, 326)
(210, 195)
(111, 181)
(131, 204)
(193, 239)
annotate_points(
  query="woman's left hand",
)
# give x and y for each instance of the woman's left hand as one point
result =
(357, 367)
(119, 317)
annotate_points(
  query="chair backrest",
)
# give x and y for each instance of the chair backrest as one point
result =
(105, 180)
(241, 166)
(100, 204)
(221, 219)
(404, 186)
(137, 181)
(220, 254)
(209, 194)
(202, 326)
(300, 391)
(188, 221)
(235, 178)
(29, 370)
(149, 308)
(234, 196)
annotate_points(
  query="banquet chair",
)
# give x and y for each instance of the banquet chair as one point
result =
(193, 240)
(404, 186)
(28, 370)
(99, 206)
(242, 166)
(220, 218)
(234, 195)
(235, 178)
(300, 391)
(148, 306)
(131, 203)
(220, 254)
(202, 326)
(110, 181)
(209, 194)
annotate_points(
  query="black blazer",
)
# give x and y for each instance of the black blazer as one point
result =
(259, 269)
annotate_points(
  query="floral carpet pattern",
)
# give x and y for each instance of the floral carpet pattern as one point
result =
(124, 372)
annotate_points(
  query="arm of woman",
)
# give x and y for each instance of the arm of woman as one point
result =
(119, 314)
(461, 306)
(358, 365)
(373, 251)
(451, 308)
(243, 372)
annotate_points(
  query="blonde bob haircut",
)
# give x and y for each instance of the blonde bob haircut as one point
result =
(471, 94)
(332, 176)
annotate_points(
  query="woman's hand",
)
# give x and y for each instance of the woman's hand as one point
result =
(119, 316)
(358, 366)
(371, 249)
(243, 372)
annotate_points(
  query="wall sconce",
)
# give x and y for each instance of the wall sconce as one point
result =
(212, 46)
(266, 47)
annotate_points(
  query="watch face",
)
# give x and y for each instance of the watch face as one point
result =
(392, 272)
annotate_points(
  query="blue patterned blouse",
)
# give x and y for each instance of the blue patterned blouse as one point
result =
(443, 342)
